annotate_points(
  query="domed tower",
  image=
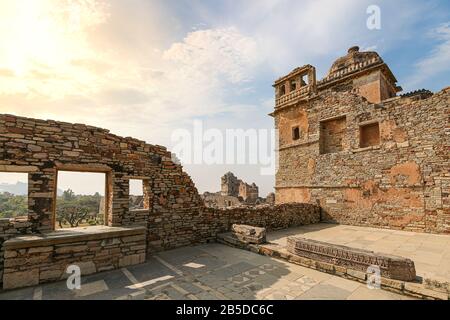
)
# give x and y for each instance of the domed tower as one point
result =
(364, 73)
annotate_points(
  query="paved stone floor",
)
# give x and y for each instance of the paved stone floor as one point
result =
(211, 271)
(430, 252)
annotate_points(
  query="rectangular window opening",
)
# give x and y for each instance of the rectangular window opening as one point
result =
(136, 194)
(80, 199)
(303, 80)
(13, 195)
(369, 135)
(295, 133)
(332, 134)
(293, 85)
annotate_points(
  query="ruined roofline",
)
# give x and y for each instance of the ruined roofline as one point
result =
(62, 124)
(352, 65)
(358, 69)
(344, 73)
(295, 72)
(384, 102)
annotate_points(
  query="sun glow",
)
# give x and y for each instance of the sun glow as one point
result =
(40, 41)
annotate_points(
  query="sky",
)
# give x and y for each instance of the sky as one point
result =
(146, 68)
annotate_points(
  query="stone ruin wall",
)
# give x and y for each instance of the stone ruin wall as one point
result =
(169, 231)
(230, 185)
(174, 214)
(403, 183)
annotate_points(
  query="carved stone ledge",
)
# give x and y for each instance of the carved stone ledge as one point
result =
(392, 267)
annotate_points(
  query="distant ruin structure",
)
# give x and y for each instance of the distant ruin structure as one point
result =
(234, 193)
(232, 186)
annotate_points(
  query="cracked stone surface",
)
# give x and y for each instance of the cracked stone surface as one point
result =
(219, 272)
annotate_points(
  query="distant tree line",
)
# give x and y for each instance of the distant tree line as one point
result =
(72, 210)
(13, 205)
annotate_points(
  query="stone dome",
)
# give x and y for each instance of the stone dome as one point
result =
(353, 56)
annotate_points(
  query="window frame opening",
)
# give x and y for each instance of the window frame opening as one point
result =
(106, 196)
(365, 130)
(324, 126)
(16, 197)
(142, 187)
(282, 90)
(295, 133)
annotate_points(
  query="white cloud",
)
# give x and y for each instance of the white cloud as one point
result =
(214, 53)
(437, 61)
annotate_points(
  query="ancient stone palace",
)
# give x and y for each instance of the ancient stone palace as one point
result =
(32, 251)
(352, 151)
(365, 154)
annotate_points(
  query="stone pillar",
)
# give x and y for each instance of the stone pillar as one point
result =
(120, 194)
(41, 199)
(312, 79)
(148, 195)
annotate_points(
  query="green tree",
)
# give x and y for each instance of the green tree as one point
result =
(71, 215)
(12, 205)
(76, 210)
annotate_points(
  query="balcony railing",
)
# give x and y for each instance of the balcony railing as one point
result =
(291, 96)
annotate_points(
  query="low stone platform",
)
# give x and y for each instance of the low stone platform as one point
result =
(34, 259)
(424, 288)
(392, 267)
(206, 272)
(249, 234)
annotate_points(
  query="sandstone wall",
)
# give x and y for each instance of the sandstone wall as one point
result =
(10, 228)
(402, 183)
(30, 261)
(41, 148)
(174, 214)
(169, 231)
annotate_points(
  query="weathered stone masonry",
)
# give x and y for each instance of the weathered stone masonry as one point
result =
(366, 156)
(173, 215)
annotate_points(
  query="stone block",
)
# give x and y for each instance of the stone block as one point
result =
(249, 234)
(357, 274)
(132, 260)
(18, 279)
(50, 275)
(40, 249)
(394, 284)
(10, 254)
(420, 290)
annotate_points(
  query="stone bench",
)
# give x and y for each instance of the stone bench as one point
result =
(33, 259)
(392, 267)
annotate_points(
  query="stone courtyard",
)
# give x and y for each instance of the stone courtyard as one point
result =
(211, 271)
(430, 252)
